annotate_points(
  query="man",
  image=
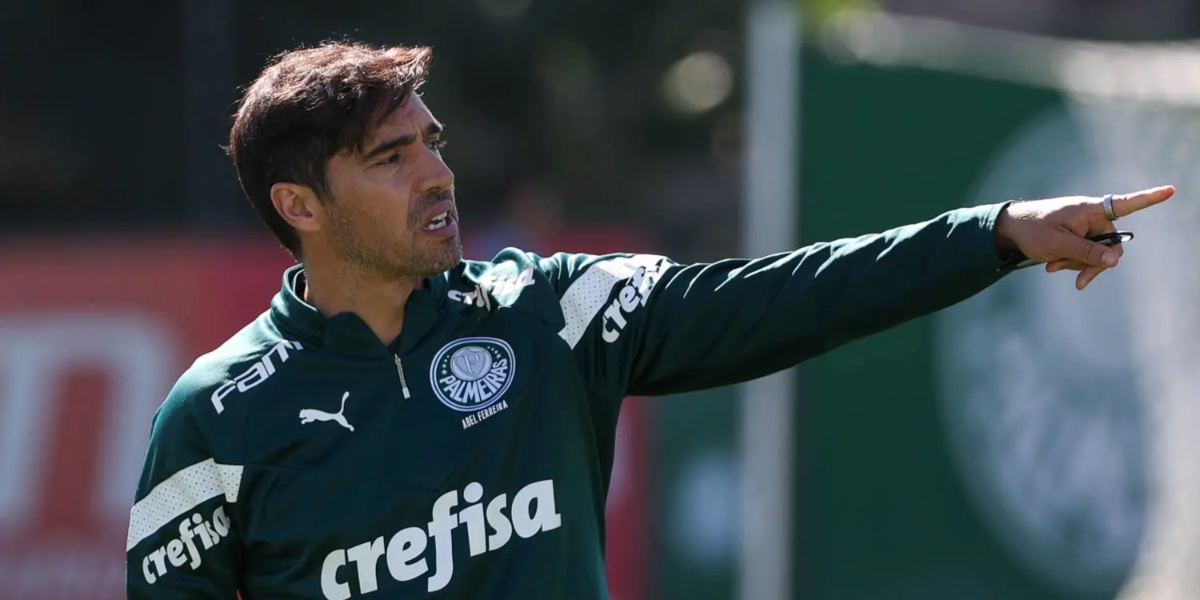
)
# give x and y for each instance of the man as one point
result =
(402, 423)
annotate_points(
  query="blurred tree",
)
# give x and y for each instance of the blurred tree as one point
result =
(818, 12)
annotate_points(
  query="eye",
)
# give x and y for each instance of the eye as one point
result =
(438, 144)
(391, 159)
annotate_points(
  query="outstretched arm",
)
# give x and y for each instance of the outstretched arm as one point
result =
(643, 324)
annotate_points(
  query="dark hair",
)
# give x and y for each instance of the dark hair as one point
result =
(309, 104)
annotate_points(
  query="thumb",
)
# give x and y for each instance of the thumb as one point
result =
(1073, 247)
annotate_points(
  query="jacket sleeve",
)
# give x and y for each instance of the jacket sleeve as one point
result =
(182, 540)
(644, 325)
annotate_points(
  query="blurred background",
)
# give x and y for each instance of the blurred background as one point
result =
(1032, 443)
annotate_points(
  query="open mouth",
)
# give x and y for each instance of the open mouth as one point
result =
(438, 221)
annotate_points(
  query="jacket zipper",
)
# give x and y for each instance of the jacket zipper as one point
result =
(400, 372)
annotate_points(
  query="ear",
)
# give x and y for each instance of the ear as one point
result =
(298, 205)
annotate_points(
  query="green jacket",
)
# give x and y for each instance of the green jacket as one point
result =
(471, 457)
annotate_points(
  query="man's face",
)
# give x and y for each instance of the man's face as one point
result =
(392, 209)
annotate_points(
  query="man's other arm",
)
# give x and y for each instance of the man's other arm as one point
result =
(183, 541)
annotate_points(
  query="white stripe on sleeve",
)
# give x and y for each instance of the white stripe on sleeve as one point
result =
(586, 296)
(180, 493)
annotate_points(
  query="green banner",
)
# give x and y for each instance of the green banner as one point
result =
(985, 452)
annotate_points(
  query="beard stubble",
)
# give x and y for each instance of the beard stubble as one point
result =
(367, 243)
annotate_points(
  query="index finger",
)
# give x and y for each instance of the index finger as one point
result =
(1127, 204)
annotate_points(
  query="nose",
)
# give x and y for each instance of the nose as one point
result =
(437, 175)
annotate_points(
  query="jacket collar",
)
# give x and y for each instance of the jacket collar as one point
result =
(346, 332)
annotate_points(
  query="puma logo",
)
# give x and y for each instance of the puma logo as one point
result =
(309, 415)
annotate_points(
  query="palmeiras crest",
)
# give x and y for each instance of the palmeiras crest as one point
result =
(469, 374)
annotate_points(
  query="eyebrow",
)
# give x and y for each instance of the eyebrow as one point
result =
(433, 128)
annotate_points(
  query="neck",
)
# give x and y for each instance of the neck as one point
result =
(378, 300)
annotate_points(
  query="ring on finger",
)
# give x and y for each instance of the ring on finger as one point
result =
(1108, 208)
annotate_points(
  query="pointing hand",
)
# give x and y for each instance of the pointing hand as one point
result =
(1055, 230)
